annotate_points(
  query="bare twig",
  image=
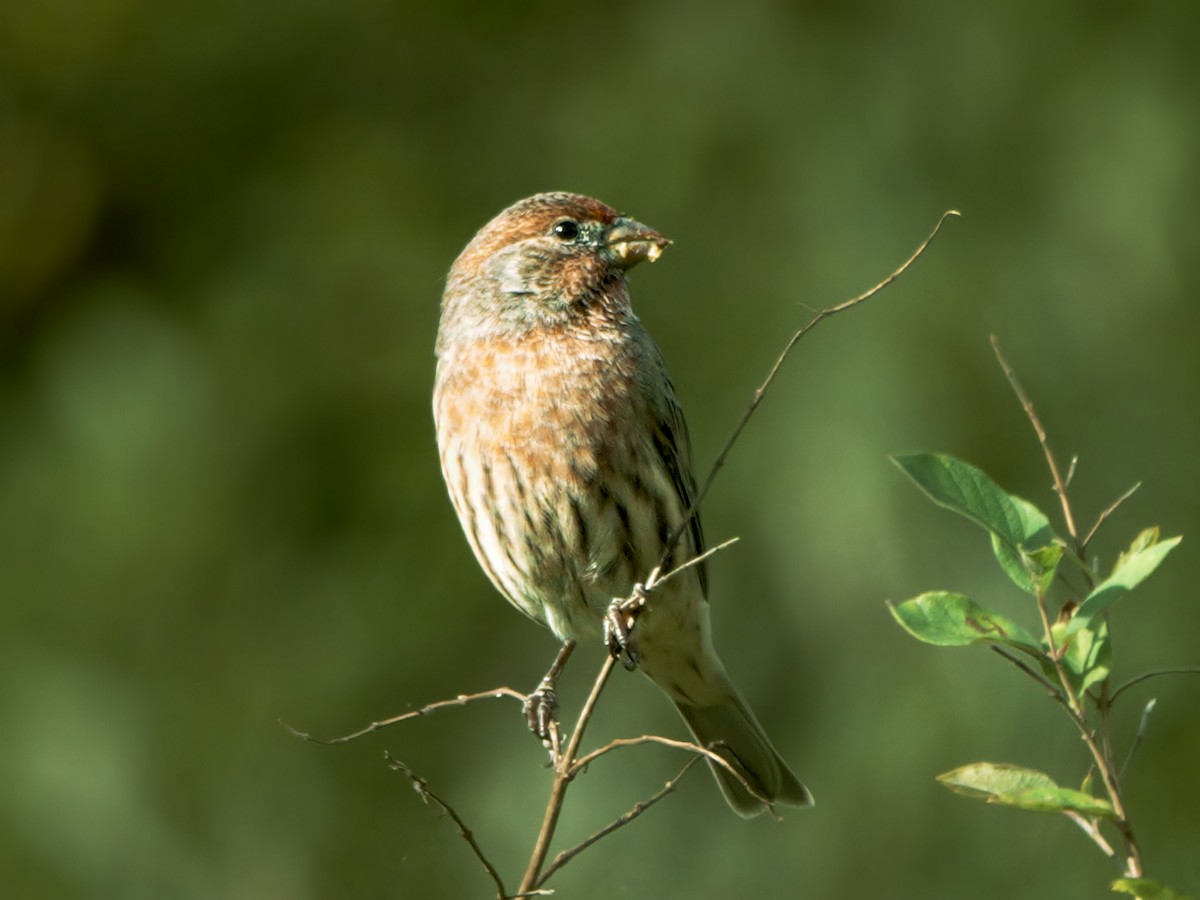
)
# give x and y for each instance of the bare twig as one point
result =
(1140, 735)
(1181, 670)
(707, 752)
(567, 762)
(1060, 486)
(460, 700)
(1054, 692)
(562, 778)
(1092, 829)
(761, 392)
(638, 808)
(421, 786)
(653, 582)
(1108, 512)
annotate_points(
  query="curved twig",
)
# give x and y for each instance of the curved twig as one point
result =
(761, 392)
(421, 786)
(1180, 670)
(460, 700)
(711, 755)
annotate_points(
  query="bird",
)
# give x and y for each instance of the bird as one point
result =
(568, 461)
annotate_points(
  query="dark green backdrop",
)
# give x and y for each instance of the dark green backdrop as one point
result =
(223, 232)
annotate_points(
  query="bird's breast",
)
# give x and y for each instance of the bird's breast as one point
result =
(535, 439)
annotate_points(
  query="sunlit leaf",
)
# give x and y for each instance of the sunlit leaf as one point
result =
(1015, 786)
(1020, 531)
(1030, 570)
(1133, 567)
(1088, 653)
(947, 619)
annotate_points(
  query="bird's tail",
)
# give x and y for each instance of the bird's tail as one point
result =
(731, 730)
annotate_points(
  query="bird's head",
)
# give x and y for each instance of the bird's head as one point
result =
(546, 259)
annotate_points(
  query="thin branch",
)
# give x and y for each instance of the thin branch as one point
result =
(638, 808)
(1054, 691)
(1092, 829)
(1100, 750)
(761, 392)
(460, 700)
(1139, 736)
(566, 768)
(711, 755)
(653, 582)
(562, 778)
(1182, 670)
(1108, 512)
(421, 786)
(1060, 487)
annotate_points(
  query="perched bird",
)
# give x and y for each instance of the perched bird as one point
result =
(568, 459)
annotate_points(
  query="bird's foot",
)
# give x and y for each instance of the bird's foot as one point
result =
(622, 615)
(541, 706)
(541, 711)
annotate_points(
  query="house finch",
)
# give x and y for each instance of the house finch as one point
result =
(568, 460)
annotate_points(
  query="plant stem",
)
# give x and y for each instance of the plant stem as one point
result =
(1101, 750)
(563, 773)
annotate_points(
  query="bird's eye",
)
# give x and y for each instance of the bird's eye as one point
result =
(566, 230)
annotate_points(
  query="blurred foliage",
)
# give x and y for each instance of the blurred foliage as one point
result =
(223, 229)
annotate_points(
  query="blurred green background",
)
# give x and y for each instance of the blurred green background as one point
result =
(223, 232)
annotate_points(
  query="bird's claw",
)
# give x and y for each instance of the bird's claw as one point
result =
(618, 626)
(541, 711)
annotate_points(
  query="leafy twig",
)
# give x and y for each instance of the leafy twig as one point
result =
(1096, 739)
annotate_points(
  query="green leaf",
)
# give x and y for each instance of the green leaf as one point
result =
(1088, 653)
(1031, 570)
(1088, 779)
(1020, 531)
(1147, 889)
(1146, 538)
(1133, 567)
(946, 619)
(1015, 786)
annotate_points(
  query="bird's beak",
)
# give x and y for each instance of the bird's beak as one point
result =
(630, 242)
